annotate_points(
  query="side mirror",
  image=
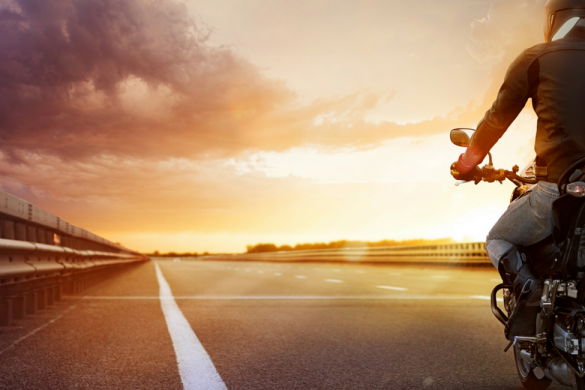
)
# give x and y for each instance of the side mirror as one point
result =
(461, 137)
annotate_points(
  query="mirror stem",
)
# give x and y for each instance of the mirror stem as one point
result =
(490, 156)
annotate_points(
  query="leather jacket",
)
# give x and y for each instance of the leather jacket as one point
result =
(553, 75)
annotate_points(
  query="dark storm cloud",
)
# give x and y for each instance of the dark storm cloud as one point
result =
(85, 77)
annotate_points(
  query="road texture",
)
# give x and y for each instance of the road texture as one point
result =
(271, 326)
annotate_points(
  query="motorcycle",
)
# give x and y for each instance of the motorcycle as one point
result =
(557, 351)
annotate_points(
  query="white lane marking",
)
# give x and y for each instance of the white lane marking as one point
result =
(393, 288)
(485, 298)
(334, 280)
(195, 366)
(260, 272)
(336, 270)
(360, 272)
(300, 277)
(394, 274)
(247, 270)
(289, 297)
(277, 274)
(440, 276)
(26, 336)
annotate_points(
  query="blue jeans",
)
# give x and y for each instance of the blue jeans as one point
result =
(527, 221)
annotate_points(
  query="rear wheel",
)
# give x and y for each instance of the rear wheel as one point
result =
(526, 374)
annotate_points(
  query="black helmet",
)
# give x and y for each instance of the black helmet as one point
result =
(557, 12)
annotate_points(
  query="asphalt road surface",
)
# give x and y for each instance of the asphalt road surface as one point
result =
(268, 326)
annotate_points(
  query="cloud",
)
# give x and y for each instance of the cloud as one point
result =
(509, 27)
(123, 108)
(124, 77)
(138, 78)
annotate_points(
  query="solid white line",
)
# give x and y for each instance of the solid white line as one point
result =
(334, 280)
(393, 288)
(301, 277)
(195, 366)
(260, 272)
(277, 274)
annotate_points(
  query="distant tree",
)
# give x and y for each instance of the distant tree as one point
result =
(259, 248)
(156, 253)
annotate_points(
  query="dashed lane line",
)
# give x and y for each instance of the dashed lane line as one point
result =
(277, 274)
(334, 280)
(300, 277)
(393, 288)
(195, 366)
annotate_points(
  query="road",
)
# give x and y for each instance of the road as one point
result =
(270, 326)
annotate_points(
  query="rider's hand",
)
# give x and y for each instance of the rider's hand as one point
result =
(474, 174)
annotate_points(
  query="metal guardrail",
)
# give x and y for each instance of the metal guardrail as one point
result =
(469, 254)
(43, 257)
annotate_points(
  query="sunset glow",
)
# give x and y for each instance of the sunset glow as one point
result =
(210, 125)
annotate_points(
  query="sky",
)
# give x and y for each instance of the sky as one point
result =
(211, 125)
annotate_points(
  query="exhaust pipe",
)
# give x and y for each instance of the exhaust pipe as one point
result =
(557, 370)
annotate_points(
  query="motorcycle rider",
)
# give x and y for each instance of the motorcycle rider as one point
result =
(552, 74)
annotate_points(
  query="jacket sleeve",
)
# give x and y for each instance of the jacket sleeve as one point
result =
(511, 100)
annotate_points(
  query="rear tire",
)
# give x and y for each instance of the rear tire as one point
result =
(580, 383)
(527, 377)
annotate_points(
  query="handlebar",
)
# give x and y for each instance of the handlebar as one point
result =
(490, 174)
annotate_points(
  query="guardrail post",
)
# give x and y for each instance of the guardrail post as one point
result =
(5, 312)
(18, 307)
(31, 303)
(68, 288)
(50, 296)
(58, 293)
(41, 300)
